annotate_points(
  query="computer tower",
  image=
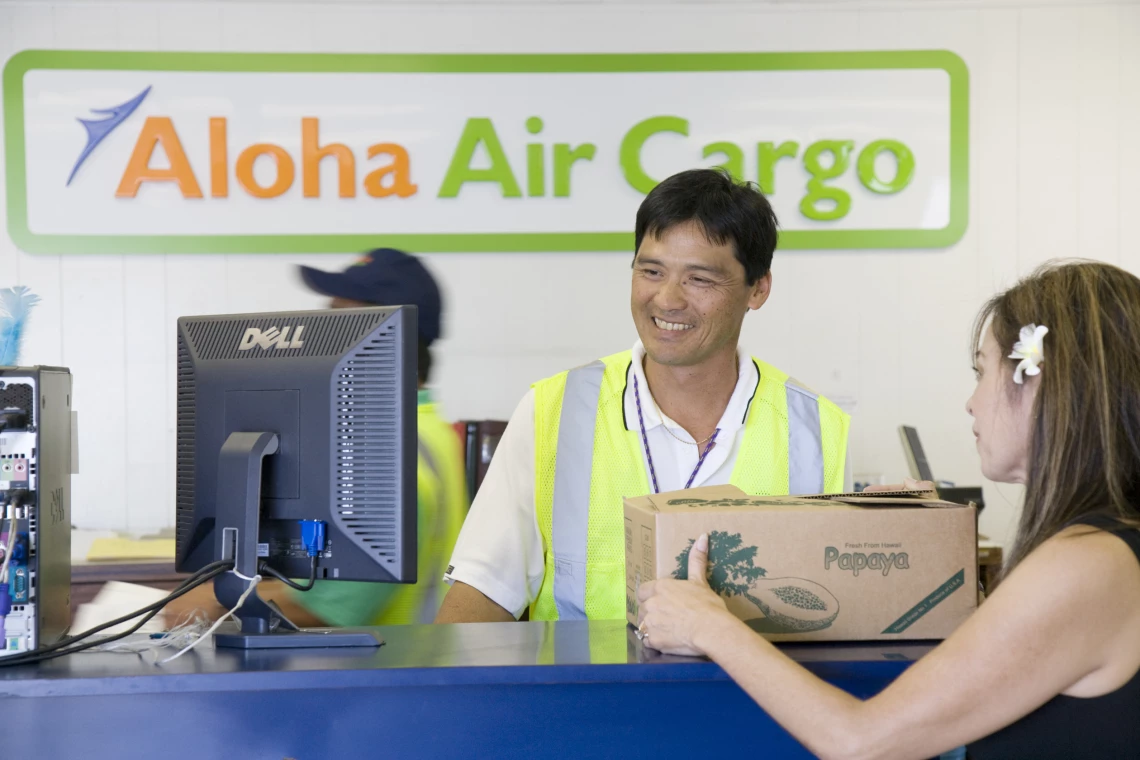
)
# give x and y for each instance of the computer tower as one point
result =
(36, 462)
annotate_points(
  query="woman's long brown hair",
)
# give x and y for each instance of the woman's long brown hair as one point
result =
(1084, 457)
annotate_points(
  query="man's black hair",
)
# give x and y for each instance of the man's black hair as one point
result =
(728, 211)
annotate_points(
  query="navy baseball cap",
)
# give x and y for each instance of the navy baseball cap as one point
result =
(385, 277)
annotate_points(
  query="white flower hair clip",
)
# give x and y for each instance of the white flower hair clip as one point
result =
(1030, 350)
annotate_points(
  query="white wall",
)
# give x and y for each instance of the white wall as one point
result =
(1055, 105)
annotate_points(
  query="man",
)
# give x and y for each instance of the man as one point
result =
(385, 277)
(684, 408)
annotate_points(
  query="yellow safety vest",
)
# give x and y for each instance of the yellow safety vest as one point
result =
(588, 458)
(442, 501)
(441, 508)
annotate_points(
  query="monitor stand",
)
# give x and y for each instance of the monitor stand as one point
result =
(263, 624)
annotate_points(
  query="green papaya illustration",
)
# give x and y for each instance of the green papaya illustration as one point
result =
(732, 565)
(767, 605)
(791, 605)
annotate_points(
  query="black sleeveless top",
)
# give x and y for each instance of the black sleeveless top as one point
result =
(1101, 727)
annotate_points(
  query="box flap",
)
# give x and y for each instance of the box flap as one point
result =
(907, 498)
(718, 497)
(880, 501)
(904, 494)
(731, 497)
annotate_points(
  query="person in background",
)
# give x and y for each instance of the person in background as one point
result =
(388, 277)
(685, 407)
(1049, 665)
(382, 277)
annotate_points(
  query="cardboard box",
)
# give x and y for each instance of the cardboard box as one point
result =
(845, 567)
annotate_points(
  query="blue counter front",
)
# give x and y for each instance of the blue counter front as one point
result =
(548, 690)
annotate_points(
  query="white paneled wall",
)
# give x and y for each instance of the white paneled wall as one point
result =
(1055, 109)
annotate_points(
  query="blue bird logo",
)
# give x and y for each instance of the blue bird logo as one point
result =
(98, 129)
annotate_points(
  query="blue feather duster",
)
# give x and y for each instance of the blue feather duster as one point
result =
(15, 304)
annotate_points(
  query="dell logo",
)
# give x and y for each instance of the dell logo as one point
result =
(272, 338)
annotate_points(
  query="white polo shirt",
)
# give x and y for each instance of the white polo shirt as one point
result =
(499, 551)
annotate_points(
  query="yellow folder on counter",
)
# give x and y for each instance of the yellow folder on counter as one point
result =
(116, 548)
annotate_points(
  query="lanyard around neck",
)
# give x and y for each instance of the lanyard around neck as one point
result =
(649, 454)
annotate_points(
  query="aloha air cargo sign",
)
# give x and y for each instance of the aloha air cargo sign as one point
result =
(221, 152)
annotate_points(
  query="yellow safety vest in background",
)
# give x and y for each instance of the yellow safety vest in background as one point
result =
(441, 507)
(587, 460)
(442, 501)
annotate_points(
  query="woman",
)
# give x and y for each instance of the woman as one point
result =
(1048, 665)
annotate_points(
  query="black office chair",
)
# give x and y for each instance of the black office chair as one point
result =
(479, 439)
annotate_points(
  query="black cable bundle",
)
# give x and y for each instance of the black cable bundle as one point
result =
(78, 643)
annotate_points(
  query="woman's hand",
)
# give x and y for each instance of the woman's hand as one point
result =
(674, 613)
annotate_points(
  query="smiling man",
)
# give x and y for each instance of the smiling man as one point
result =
(684, 408)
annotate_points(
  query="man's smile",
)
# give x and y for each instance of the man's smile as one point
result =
(677, 326)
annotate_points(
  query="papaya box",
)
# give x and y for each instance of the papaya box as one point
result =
(838, 567)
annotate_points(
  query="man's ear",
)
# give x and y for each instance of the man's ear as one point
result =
(760, 290)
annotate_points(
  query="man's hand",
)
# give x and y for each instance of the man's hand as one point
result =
(199, 600)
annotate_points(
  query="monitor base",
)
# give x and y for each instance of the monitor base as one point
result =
(306, 638)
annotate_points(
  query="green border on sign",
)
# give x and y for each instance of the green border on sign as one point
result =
(23, 62)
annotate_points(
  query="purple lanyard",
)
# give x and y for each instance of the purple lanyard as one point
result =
(649, 455)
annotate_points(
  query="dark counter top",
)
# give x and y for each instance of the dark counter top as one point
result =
(442, 655)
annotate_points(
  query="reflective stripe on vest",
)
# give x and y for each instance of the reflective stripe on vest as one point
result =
(805, 441)
(571, 508)
(441, 504)
(579, 645)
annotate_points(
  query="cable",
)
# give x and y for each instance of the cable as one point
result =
(71, 644)
(79, 642)
(265, 568)
(10, 547)
(186, 629)
(246, 578)
(187, 585)
(241, 600)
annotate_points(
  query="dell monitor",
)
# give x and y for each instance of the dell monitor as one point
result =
(296, 453)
